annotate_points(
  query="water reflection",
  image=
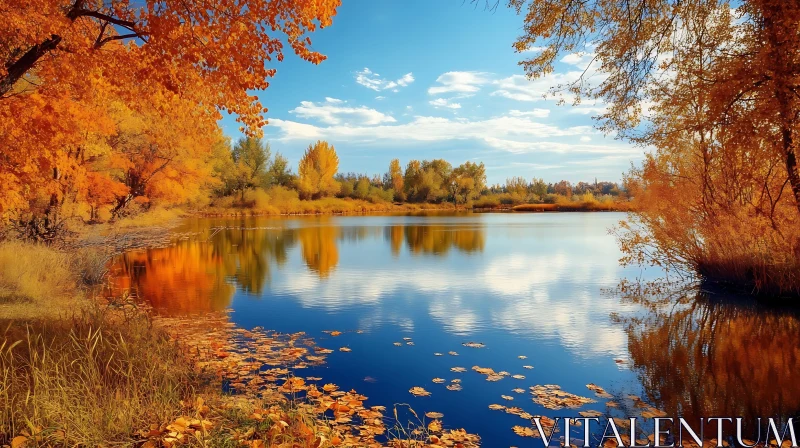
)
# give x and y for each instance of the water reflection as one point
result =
(707, 357)
(201, 273)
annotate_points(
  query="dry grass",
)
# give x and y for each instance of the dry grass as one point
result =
(283, 201)
(35, 281)
(572, 207)
(88, 381)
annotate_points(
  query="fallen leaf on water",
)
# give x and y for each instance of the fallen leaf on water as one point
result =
(522, 357)
(518, 377)
(518, 390)
(599, 391)
(455, 387)
(406, 339)
(527, 367)
(453, 353)
(525, 431)
(474, 344)
(507, 397)
(335, 333)
(409, 343)
(399, 344)
(419, 392)
(652, 412)
(437, 354)
(456, 380)
(590, 414)
(612, 404)
(458, 369)
(434, 415)
(438, 380)
(435, 426)
(496, 407)
(345, 349)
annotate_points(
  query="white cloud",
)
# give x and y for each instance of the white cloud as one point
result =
(512, 134)
(520, 88)
(538, 113)
(586, 138)
(588, 110)
(372, 80)
(519, 130)
(533, 50)
(580, 59)
(379, 97)
(463, 83)
(441, 102)
(526, 147)
(334, 112)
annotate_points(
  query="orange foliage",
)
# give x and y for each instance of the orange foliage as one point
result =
(713, 91)
(131, 91)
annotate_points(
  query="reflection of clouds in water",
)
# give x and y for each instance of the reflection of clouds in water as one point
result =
(454, 315)
(551, 295)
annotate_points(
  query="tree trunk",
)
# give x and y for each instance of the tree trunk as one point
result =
(781, 27)
(18, 68)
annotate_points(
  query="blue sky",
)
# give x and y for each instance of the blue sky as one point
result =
(422, 79)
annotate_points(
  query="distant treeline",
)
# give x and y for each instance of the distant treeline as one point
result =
(249, 168)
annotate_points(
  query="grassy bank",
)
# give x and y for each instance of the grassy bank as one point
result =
(284, 201)
(81, 369)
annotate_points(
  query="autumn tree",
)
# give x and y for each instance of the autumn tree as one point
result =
(279, 171)
(466, 181)
(161, 155)
(517, 185)
(538, 187)
(394, 179)
(317, 168)
(251, 159)
(68, 65)
(713, 88)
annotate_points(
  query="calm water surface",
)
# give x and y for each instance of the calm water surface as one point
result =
(534, 285)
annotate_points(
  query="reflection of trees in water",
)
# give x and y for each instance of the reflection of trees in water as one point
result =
(438, 239)
(703, 358)
(198, 274)
(319, 248)
(187, 277)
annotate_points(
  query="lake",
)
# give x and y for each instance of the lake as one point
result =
(537, 290)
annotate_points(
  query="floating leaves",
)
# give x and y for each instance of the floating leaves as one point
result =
(525, 431)
(419, 392)
(518, 377)
(452, 353)
(527, 367)
(438, 354)
(454, 387)
(599, 391)
(438, 380)
(345, 349)
(507, 397)
(552, 397)
(458, 369)
(335, 333)
(436, 415)
(496, 407)
(435, 426)
(474, 344)
(590, 414)
(398, 344)
(522, 357)
(518, 390)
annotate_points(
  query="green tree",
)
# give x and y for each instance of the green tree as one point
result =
(251, 159)
(279, 171)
